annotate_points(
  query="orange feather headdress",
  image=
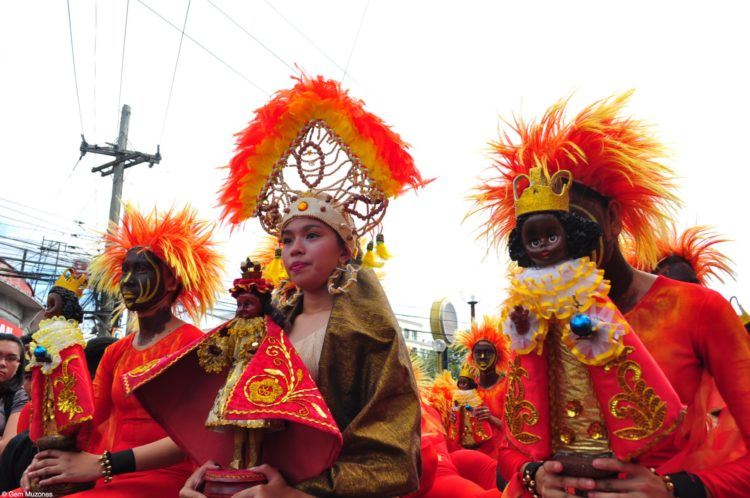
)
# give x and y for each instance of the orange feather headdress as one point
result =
(696, 245)
(179, 239)
(488, 330)
(315, 138)
(604, 151)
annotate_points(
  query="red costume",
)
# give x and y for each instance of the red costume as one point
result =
(122, 422)
(691, 331)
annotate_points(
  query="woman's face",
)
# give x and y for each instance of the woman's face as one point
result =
(311, 252)
(485, 355)
(147, 284)
(544, 239)
(10, 359)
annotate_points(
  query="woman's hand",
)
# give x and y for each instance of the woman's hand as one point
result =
(550, 484)
(55, 467)
(639, 482)
(275, 488)
(195, 481)
(482, 413)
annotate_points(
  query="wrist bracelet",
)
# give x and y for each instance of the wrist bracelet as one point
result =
(122, 462)
(529, 478)
(688, 485)
(106, 464)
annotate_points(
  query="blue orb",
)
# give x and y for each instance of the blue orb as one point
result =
(581, 325)
(40, 352)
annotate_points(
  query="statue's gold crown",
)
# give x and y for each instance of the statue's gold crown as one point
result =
(466, 371)
(70, 281)
(543, 193)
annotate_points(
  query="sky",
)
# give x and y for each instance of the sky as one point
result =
(443, 74)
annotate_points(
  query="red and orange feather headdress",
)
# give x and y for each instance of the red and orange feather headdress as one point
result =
(488, 330)
(276, 130)
(614, 155)
(179, 239)
(697, 246)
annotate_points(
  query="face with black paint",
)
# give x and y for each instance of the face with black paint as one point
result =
(543, 239)
(485, 356)
(465, 383)
(248, 305)
(147, 283)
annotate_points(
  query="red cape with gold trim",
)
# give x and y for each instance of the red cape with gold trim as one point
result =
(179, 394)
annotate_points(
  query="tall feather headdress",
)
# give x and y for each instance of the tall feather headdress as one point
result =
(179, 239)
(487, 330)
(611, 154)
(697, 246)
(315, 138)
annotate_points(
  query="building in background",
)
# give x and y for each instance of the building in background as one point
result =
(18, 308)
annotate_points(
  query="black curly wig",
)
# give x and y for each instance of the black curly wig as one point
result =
(71, 307)
(581, 236)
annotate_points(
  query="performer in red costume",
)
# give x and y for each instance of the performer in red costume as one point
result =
(691, 331)
(156, 262)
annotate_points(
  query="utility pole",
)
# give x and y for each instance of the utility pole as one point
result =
(124, 159)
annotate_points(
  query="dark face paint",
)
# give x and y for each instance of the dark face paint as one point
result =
(143, 280)
(485, 356)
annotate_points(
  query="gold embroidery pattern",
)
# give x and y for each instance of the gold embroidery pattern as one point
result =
(518, 411)
(214, 353)
(67, 400)
(276, 386)
(637, 401)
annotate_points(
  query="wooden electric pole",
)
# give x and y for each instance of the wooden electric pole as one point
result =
(124, 159)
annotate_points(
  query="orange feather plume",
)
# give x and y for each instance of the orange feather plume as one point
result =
(277, 124)
(179, 239)
(609, 153)
(697, 246)
(488, 330)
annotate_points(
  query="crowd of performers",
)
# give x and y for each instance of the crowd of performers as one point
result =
(611, 370)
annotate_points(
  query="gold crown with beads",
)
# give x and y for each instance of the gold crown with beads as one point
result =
(71, 281)
(543, 193)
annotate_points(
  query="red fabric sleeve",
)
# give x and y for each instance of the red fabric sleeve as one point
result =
(721, 341)
(103, 396)
(509, 460)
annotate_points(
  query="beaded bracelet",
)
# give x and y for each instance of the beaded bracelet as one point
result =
(529, 478)
(105, 460)
(666, 480)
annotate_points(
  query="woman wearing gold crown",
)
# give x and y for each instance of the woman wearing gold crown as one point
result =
(581, 386)
(318, 170)
(156, 262)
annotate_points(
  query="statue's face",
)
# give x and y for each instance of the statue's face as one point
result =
(543, 239)
(54, 305)
(485, 356)
(146, 281)
(464, 383)
(248, 306)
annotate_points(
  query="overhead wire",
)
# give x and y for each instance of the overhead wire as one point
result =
(356, 37)
(310, 41)
(222, 61)
(174, 72)
(75, 72)
(122, 59)
(268, 49)
(96, 29)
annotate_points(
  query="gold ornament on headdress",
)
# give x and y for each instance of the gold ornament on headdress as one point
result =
(314, 151)
(70, 281)
(543, 193)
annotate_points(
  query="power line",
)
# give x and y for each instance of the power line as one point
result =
(96, 29)
(122, 60)
(19, 204)
(310, 41)
(75, 73)
(293, 69)
(174, 73)
(206, 49)
(356, 37)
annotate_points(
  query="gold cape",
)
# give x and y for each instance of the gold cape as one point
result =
(365, 378)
